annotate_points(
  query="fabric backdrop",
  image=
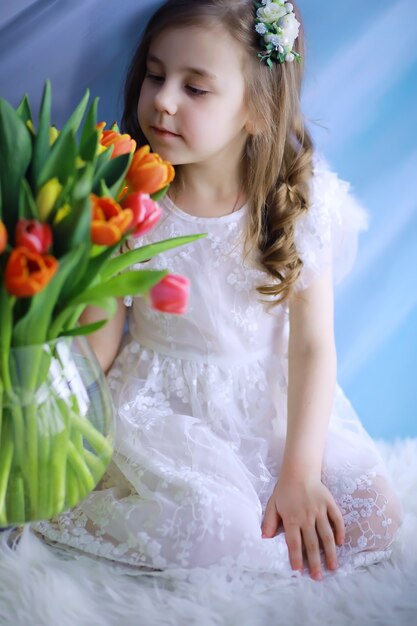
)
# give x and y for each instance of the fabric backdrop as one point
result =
(360, 100)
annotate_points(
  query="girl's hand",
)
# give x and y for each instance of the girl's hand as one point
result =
(306, 508)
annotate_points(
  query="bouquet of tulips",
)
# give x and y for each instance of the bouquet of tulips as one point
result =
(69, 200)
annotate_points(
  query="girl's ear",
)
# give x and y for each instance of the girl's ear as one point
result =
(253, 127)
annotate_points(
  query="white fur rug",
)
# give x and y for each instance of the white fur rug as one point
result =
(39, 586)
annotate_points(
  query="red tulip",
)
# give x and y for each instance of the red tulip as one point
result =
(170, 295)
(109, 221)
(33, 235)
(3, 237)
(146, 212)
(28, 272)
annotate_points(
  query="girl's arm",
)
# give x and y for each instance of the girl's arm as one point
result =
(300, 499)
(106, 341)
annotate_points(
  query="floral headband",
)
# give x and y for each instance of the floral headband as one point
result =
(278, 26)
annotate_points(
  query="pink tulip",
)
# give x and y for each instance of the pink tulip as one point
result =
(33, 236)
(146, 212)
(170, 295)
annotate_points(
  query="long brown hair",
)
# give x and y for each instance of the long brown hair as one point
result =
(277, 157)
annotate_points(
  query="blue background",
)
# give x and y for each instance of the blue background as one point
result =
(360, 101)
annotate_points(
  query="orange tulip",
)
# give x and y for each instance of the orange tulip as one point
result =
(3, 237)
(28, 272)
(122, 144)
(148, 172)
(109, 221)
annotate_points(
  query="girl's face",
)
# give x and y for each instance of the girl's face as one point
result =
(191, 106)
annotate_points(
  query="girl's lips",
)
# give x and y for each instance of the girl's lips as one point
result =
(163, 133)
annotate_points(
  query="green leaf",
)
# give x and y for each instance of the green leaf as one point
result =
(112, 172)
(74, 230)
(87, 329)
(121, 262)
(89, 271)
(74, 121)
(27, 205)
(158, 195)
(89, 150)
(131, 283)
(33, 327)
(66, 322)
(23, 110)
(7, 303)
(61, 161)
(89, 132)
(83, 186)
(41, 146)
(15, 155)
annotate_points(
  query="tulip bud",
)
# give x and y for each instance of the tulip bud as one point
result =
(146, 212)
(47, 196)
(170, 295)
(53, 135)
(3, 237)
(33, 235)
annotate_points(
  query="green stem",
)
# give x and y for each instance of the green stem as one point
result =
(100, 444)
(15, 497)
(72, 490)
(31, 436)
(6, 459)
(81, 469)
(59, 452)
(96, 465)
(44, 446)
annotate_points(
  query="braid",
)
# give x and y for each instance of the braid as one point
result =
(285, 203)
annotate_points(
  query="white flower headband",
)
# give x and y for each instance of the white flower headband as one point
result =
(278, 26)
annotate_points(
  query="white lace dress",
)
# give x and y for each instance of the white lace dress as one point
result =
(202, 407)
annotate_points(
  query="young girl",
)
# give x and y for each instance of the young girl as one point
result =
(235, 446)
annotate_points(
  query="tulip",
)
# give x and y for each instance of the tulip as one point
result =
(62, 213)
(33, 235)
(28, 272)
(148, 172)
(3, 237)
(122, 144)
(53, 135)
(109, 221)
(146, 212)
(170, 295)
(47, 196)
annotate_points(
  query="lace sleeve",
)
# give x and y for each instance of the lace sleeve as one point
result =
(327, 235)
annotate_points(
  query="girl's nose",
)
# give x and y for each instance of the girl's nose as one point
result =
(165, 101)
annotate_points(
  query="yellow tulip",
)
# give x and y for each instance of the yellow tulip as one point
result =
(31, 127)
(62, 213)
(53, 135)
(47, 196)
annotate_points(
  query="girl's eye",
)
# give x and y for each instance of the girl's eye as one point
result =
(195, 91)
(154, 77)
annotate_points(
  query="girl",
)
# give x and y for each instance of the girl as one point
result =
(235, 446)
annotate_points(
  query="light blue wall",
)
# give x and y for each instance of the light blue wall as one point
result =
(360, 99)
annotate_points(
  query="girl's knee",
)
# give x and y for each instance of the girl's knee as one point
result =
(372, 514)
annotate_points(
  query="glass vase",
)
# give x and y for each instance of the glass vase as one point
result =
(56, 428)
